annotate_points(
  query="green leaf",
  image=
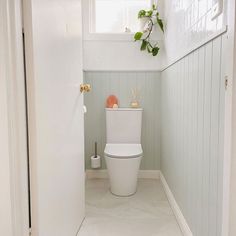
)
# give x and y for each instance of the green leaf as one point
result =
(155, 51)
(141, 13)
(138, 36)
(144, 45)
(149, 48)
(160, 23)
(149, 13)
(154, 7)
(153, 18)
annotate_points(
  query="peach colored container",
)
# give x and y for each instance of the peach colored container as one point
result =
(111, 101)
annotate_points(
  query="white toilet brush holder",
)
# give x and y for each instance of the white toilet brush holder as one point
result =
(95, 160)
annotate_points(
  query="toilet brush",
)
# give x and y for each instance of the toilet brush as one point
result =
(96, 159)
(95, 150)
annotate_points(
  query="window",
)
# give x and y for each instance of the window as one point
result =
(117, 16)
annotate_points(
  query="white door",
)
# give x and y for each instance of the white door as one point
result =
(56, 123)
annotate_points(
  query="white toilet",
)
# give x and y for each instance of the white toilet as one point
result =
(123, 151)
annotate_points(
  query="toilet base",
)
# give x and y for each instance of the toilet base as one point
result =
(123, 175)
(123, 195)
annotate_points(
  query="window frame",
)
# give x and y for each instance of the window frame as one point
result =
(89, 25)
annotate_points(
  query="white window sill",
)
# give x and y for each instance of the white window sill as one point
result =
(109, 37)
(128, 37)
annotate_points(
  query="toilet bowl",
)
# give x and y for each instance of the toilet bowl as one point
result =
(123, 161)
(123, 151)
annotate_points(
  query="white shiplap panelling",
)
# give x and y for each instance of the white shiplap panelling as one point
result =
(120, 83)
(191, 138)
(189, 23)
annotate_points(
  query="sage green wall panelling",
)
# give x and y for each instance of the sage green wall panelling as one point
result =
(193, 93)
(120, 84)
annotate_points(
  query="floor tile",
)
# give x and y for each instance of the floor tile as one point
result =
(146, 213)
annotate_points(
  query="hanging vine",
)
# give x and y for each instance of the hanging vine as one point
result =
(149, 18)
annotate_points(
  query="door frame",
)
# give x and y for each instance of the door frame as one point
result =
(229, 165)
(16, 116)
(231, 155)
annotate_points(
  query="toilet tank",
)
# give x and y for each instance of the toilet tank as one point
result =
(123, 125)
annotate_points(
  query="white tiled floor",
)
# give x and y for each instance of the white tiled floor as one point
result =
(147, 213)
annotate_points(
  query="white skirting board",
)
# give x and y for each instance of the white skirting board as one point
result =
(176, 209)
(103, 174)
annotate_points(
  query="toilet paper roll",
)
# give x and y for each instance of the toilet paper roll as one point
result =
(95, 162)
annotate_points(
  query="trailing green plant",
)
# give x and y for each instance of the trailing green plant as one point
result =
(144, 36)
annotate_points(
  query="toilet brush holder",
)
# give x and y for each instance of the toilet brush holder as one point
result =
(95, 162)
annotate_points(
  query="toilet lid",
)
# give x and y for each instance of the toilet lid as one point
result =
(123, 150)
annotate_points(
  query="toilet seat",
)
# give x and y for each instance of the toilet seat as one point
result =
(123, 151)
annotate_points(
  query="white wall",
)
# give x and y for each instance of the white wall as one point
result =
(112, 55)
(119, 52)
(189, 24)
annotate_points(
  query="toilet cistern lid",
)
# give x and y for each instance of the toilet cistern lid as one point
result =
(123, 150)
